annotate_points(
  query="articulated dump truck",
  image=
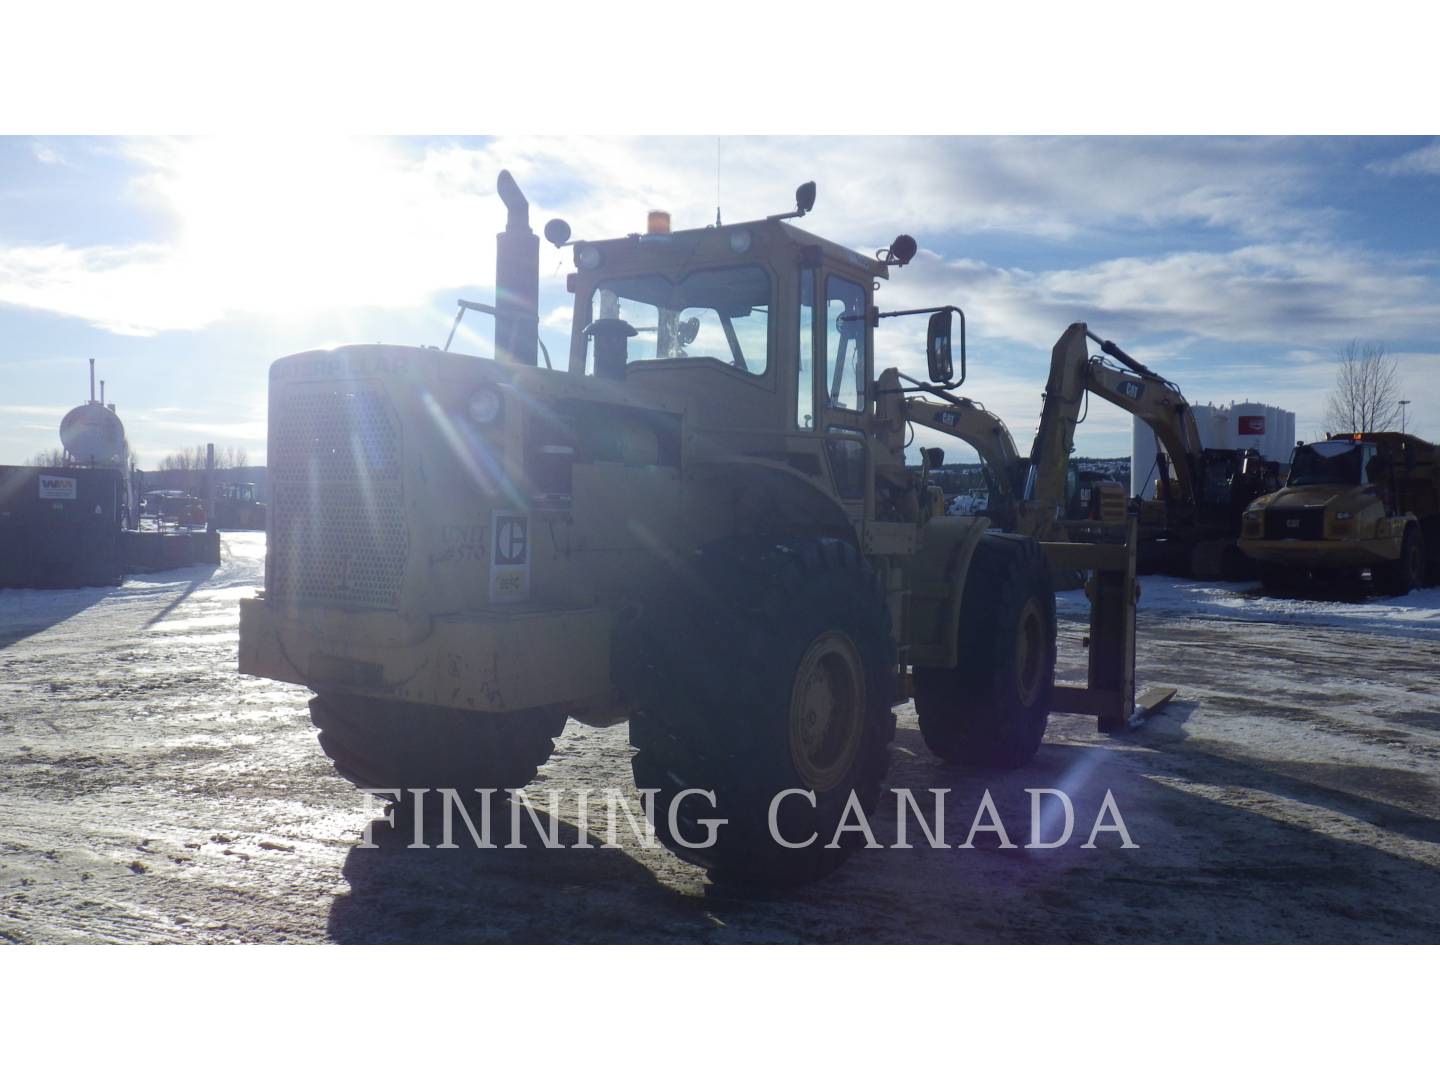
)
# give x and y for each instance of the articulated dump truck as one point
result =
(702, 524)
(1353, 504)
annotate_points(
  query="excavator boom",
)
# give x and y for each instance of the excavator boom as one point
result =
(976, 425)
(1136, 389)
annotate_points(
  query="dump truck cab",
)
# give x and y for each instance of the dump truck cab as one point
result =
(1351, 503)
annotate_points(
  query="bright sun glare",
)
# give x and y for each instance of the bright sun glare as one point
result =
(290, 225)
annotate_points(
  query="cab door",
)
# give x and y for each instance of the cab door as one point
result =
(842, 376)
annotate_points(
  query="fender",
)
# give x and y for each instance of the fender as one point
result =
(937, 586)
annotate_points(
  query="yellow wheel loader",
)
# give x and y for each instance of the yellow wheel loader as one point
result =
(702, 524)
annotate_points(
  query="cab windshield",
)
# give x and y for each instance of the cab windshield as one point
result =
(719, 313)
(1327, 463)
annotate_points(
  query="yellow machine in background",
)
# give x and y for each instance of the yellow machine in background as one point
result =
(1203, 492)
(1353, 503)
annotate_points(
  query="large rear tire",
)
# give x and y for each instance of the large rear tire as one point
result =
(991, 710)
(380, 744)
(773, 669)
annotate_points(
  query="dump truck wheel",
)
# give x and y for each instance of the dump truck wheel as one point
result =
(774, 671)
(991, 710)
(1277, 578)
(388, 745)
(1405, 573)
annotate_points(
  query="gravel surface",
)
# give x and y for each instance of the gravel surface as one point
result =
(1291, 793)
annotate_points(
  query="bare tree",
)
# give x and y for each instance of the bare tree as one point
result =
(193, 459)
(48, 459)
(1367, 390)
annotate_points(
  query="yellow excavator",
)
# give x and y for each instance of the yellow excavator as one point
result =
(1203, 493)
(1005, 470)
(987, 434)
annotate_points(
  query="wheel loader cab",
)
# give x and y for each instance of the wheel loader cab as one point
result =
(756, 327)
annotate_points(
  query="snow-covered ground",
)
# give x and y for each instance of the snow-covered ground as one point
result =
(1415, 615)
(1290, 793)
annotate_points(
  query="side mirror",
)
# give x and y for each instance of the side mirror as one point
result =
(934, 456)
(805, 197)
(557, 232)
(937, 346)
(688, 330)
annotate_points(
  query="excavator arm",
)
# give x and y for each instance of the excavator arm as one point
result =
(977, 426)
(1134, 388)
(1160, 404)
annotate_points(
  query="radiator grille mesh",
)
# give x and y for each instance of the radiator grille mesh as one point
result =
(338, 531)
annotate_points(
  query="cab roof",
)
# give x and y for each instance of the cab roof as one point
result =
(1389, 440)
(773, 233)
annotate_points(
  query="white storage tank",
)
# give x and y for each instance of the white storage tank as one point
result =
(1267, 429)
(94, 435)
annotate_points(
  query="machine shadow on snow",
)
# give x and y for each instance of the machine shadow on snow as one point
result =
(25, 612)
(529, 894)
(1254, 878)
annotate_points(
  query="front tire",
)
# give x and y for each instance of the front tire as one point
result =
(992, 708)
(1278, 579)
(775, 671)
(1407, 572)
(380, 744)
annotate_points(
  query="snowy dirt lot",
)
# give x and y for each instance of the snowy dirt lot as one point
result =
(149, 793)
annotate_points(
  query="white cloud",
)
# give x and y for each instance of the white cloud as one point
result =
(46, 154)
(1422, 161)
(303, 230)
(283, 226)
(1264, 294)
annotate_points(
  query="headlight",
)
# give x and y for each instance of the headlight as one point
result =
(484, 405)
(1252, 515)
(740, 241)
(1343, 515)
(587, 257)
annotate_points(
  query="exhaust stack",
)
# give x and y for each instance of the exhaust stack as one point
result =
(517, 279)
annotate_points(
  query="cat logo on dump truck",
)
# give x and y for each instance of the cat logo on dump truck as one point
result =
(510, 563)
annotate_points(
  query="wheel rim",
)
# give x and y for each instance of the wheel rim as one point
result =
(827, 711)
(1029, 653)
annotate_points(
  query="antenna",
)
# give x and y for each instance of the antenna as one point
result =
(717, 181)
(92, 380)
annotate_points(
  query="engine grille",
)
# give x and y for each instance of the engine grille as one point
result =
(1307, 523)
(338, 531)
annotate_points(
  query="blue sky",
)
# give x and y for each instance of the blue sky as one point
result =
(1236, 267)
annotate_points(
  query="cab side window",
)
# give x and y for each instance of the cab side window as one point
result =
(845, 351)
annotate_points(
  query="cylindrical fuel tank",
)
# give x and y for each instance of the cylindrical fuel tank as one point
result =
(93, 435)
